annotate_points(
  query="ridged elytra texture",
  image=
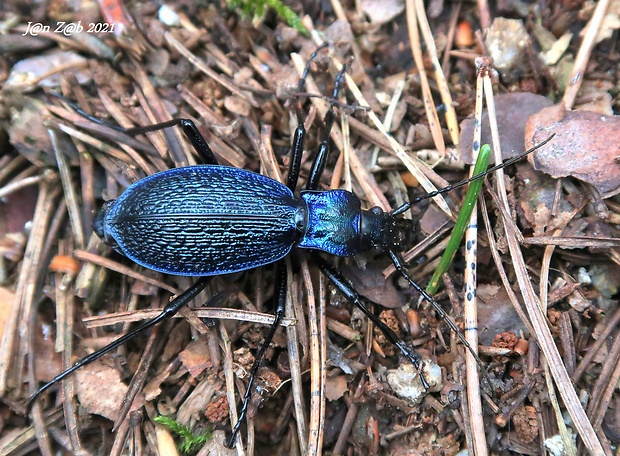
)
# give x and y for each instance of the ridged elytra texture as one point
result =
(204, 220)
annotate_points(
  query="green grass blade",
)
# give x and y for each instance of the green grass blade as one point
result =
(462, 221)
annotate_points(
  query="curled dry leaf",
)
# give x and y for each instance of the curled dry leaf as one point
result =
(586, 146)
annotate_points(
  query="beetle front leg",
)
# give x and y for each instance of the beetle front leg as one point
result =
(347, 290)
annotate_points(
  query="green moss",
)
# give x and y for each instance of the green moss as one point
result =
(258, 8)
(189, 441)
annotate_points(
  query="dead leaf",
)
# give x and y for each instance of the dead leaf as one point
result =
(586, 146)
(496, 313)
(434, 218)
(27, 72)
(30, 137)
(100, 389)
(513, 110)
(196, 357)
(335, 387)
(371, 284)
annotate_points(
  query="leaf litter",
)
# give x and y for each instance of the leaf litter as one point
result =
(565, 206)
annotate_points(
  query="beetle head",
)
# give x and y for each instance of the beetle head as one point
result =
(400, 233)
(382, 231)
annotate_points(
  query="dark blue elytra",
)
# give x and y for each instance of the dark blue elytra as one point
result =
(210, 219)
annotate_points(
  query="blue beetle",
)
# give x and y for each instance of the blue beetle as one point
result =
(210, 219)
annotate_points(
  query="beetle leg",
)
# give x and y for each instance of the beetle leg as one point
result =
(345, 287)
(318, 165)
(400, 267)
(168, 312)
(188, 126)
(405, 207)
(280, 297)
(191, 131)
(297, 149)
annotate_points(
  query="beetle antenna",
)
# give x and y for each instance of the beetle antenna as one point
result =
(405, 207)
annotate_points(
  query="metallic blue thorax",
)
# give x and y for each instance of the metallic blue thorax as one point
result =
(333, 222)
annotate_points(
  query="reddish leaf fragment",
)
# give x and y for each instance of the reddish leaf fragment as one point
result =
(196, 358)
(586, 146)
